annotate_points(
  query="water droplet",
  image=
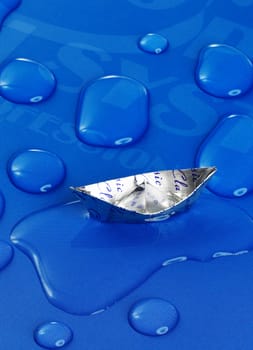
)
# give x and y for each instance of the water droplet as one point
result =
(113, 112)
(224, 71)
(153, 43)
(230, 147)
(53, 335)
(36, 171)
(96, 248)
(6, 254)
(153, 316)
(6, 7)
(26, 81)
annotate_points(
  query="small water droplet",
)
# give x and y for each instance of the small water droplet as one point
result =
(6, 254)
(153, 316)
(113, 112)
(53, 335)
(230, 147)
(36, 171)
(224, 71)
(153, 43)
(26, 81)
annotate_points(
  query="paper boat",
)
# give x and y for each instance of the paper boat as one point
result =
(147, 197)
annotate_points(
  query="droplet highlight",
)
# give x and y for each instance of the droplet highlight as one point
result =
(36, 171)
(153, 43)
(224, 71)
(6, 7)
(26, 81)
(230, 148)
(153, 317)
(53, 335)
(113, 112)
(6, 254)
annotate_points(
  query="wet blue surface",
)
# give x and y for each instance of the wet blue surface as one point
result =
(6, 254)
(232, 153)
(153, 43)
(36, 171)
(153, 317)
(26, 81)
(53, 335)
(224, 71)
(2, 204)
(113, 111)
(184, 263)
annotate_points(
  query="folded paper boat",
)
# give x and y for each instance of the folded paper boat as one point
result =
(148, 197)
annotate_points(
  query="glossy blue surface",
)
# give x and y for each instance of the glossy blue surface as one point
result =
(36, 171)
(2, 204)
(6, 7)
(6, 254)
(89, 266)
(224, 71)
(26, 81)
(53, 335)
(113, 111)
(230, 147)
(154, 317)
(153, 43)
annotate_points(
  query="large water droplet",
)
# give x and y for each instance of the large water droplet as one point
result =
(6, 254)
(153, 43)
(36, 171)
(230, 148)
(26, 81)
(153, 316)
(105, 262)
(113, 111)
(224, 71)
(6, 7)
(53, 335)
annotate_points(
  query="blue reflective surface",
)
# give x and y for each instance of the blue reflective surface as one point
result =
(230, 147)
(86, 268)
(2, 204)
(154, 317)
(53, 335)
(153, 43)
(36, 171)
(113, 111)
(224, 71)
(26, 81)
